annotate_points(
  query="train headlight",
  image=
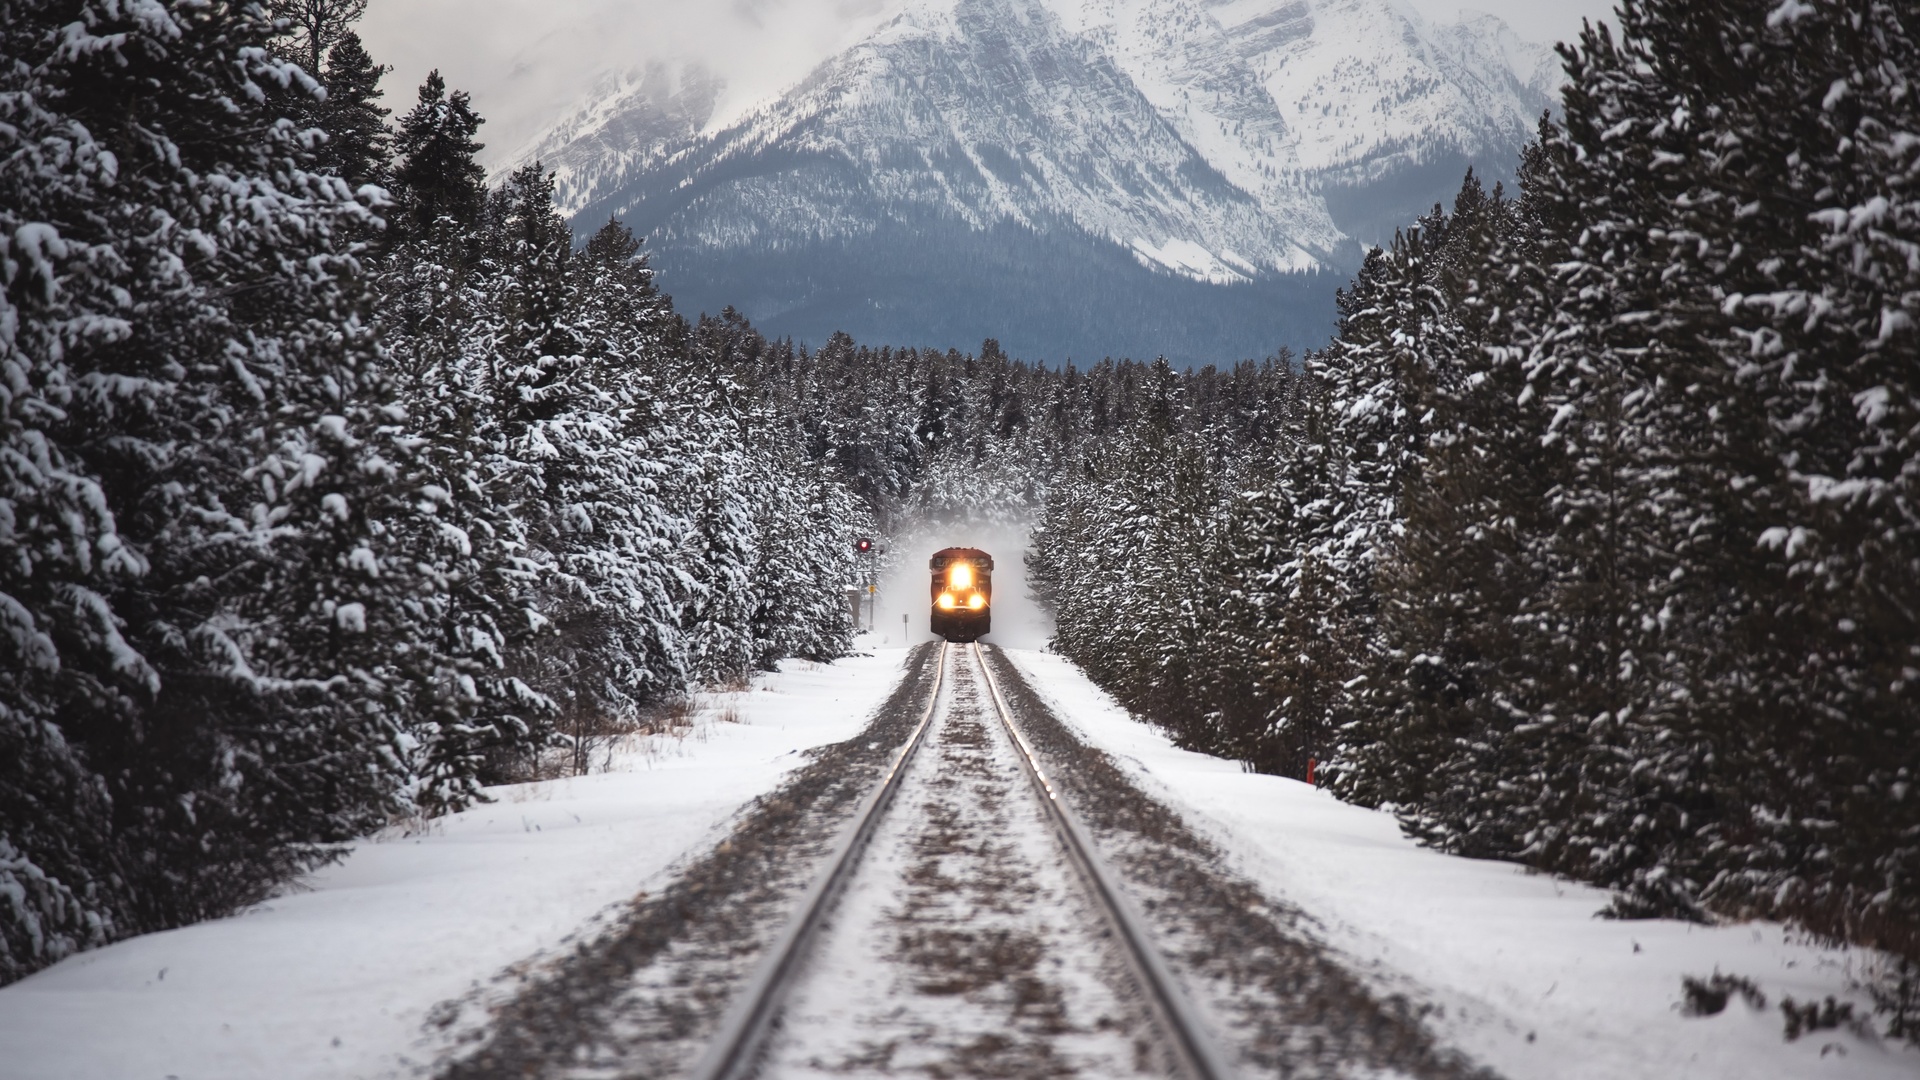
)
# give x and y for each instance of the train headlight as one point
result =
(976, 601)
(960, 577)
(945, 601)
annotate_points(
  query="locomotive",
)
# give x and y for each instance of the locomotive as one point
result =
(962, 593)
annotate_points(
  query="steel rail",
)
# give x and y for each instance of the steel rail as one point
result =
(1193, 1047)
(737, 1045)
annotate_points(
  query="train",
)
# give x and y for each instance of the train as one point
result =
(962, 593)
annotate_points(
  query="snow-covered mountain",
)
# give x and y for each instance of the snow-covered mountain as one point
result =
(1308, 96)
(1064, 155)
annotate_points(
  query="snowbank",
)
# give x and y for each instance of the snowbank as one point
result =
(335, 978)
(1530, 982)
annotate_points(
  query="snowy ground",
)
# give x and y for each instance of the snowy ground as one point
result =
(335, 979)
(1531, 983)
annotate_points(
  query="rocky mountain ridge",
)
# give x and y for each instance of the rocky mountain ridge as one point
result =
(1227, 143)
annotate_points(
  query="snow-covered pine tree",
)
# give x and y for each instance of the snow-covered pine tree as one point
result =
(1252, 533)
(805, 556)
(1337, 502)
(1609, 784)
(1141, 549)
(1180, 536)
(1818, 172)
(615, 599)
(718, 490)
(569, 383)
(1388, 754)
(187, 424)
(435, 175)
(358, 146)
(1781, 245)
(318, 36)
(464, 341)
(1453, 745)
(1254, 439)
(1127, 555)
(718, 487)
(1287, 616)
(1077, 548)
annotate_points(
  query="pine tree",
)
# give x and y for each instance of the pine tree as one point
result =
(467, 310)
(1774, 250)
(340, 90)
(1834, 327)
(358, 146)
(188, 421)
(436, 176)
(602, 439)
(1453, 749)
(314, 28)
(1292, 609)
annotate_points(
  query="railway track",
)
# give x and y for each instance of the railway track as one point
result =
(962, 926)
(967, 715)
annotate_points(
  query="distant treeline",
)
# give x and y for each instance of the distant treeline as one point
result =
(944, 436)
(1054, 293)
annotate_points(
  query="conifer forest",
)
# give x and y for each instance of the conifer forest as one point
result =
(337, 484)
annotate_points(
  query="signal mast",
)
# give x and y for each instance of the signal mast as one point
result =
(864, 547)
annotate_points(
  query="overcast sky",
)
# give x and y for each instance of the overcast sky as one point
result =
(526, 61)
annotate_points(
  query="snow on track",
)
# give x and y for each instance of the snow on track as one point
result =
(1277, 999)
(1512, 967)
(965, 945)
